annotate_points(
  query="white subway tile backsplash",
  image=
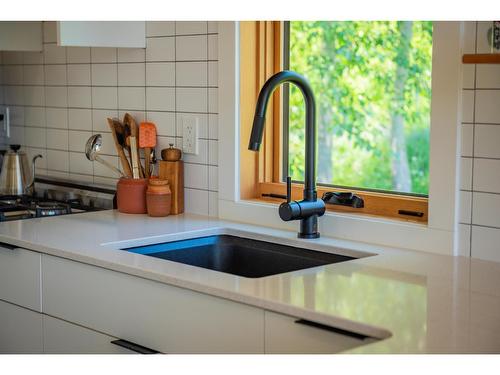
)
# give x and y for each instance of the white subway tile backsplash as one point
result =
(57, 139)
(466, 173)
(132, 98)
(34, 95)
(467, 105)
(77, 140)
(70, 91)
(487, 108)
(78, 163)
(103, 55)
(160, 28)
(104, 97)
(196, 201)
(160, 74)
(79, 97)
(213, 26)
(102, 170)
(78, 55)
(131, 55)
(191, 47)
(485, 243)
(54, 54)
(485, 209)
(35, 137)
(190, 27)
(213, 73)
(467, 139)
(468, 76)
(482, 42)
(464, 233)
(160, 49)
(486, 141)
(213, 47)
(213, 100)
(191, 73)
(80, 119)
(57, 118)
(162, 143)
(469, 37)
(56, 96)
(34, 116)
(79, 75)
(488, 76)
(104, 75)
(33, 75)
(160, 99)
(131, 74)
(164, 121)
(58, 160)
(55, 75)
(487, 175)
(191, 99)
(465, 207)
(99, 119)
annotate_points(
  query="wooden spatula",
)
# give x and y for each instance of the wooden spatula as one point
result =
(117, 132)
(147, 141)
(134, 133)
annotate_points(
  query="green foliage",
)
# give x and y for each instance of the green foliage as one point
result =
(352, 68)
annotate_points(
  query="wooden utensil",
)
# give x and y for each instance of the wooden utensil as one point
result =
(147, 141)
(135, 157)
(134, 132)
(117, 133)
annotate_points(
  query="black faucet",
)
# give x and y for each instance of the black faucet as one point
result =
(308, 209)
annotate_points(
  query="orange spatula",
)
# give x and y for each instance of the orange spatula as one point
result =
(147, 141)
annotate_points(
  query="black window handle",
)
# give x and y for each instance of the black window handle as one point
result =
(134, 347)
(8, 246)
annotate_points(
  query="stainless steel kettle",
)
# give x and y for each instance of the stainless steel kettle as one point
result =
(16, 177)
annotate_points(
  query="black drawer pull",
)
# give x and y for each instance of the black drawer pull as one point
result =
(134, 347)
(340, 331)
(8, 246)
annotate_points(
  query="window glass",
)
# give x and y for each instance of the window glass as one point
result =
(372, 82)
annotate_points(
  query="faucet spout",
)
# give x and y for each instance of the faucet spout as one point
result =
(310, 207)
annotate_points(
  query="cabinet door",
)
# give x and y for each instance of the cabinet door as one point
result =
(288, 335)
(152, 314)
(20, 330)
(60, 337)
(102, 33)
(20, 276)
(21, 36)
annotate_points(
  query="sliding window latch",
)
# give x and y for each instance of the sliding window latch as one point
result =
(343, 199)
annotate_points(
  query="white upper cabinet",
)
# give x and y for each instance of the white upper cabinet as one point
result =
(21, 36)
(130, 34)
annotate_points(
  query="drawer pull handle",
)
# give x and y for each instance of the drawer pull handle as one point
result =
(340, 331)
(8, 246)
(134, 347)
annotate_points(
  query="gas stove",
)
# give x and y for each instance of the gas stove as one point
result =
(54, 198)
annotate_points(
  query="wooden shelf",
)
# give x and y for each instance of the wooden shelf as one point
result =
(484, 58)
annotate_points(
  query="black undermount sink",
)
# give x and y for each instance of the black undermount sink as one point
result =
(239, 256)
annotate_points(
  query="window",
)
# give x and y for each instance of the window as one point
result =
(372, 82)
(358, 159)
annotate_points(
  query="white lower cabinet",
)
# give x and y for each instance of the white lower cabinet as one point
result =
(288, 335)
(20, 330)
(148, 313)
(60, 337)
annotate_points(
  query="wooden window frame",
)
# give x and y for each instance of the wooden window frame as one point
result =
(261, 173)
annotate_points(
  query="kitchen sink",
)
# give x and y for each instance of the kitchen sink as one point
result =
(239, 256)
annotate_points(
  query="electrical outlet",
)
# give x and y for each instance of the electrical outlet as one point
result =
(190, 135)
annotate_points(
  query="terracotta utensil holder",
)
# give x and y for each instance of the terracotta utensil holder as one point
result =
(158, 197)
(131, 195)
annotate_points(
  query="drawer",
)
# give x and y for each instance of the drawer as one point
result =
(61, 337)
(152, 314)
(288, 335)
(20, 276)
(20, 330)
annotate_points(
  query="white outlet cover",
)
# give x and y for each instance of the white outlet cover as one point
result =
(190, 135)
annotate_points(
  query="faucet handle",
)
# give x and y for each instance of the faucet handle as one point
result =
(288, 189)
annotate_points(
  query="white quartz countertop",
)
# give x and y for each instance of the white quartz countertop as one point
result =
(414, 302)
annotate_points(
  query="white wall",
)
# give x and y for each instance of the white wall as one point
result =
(61, 96)
(479, 218)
